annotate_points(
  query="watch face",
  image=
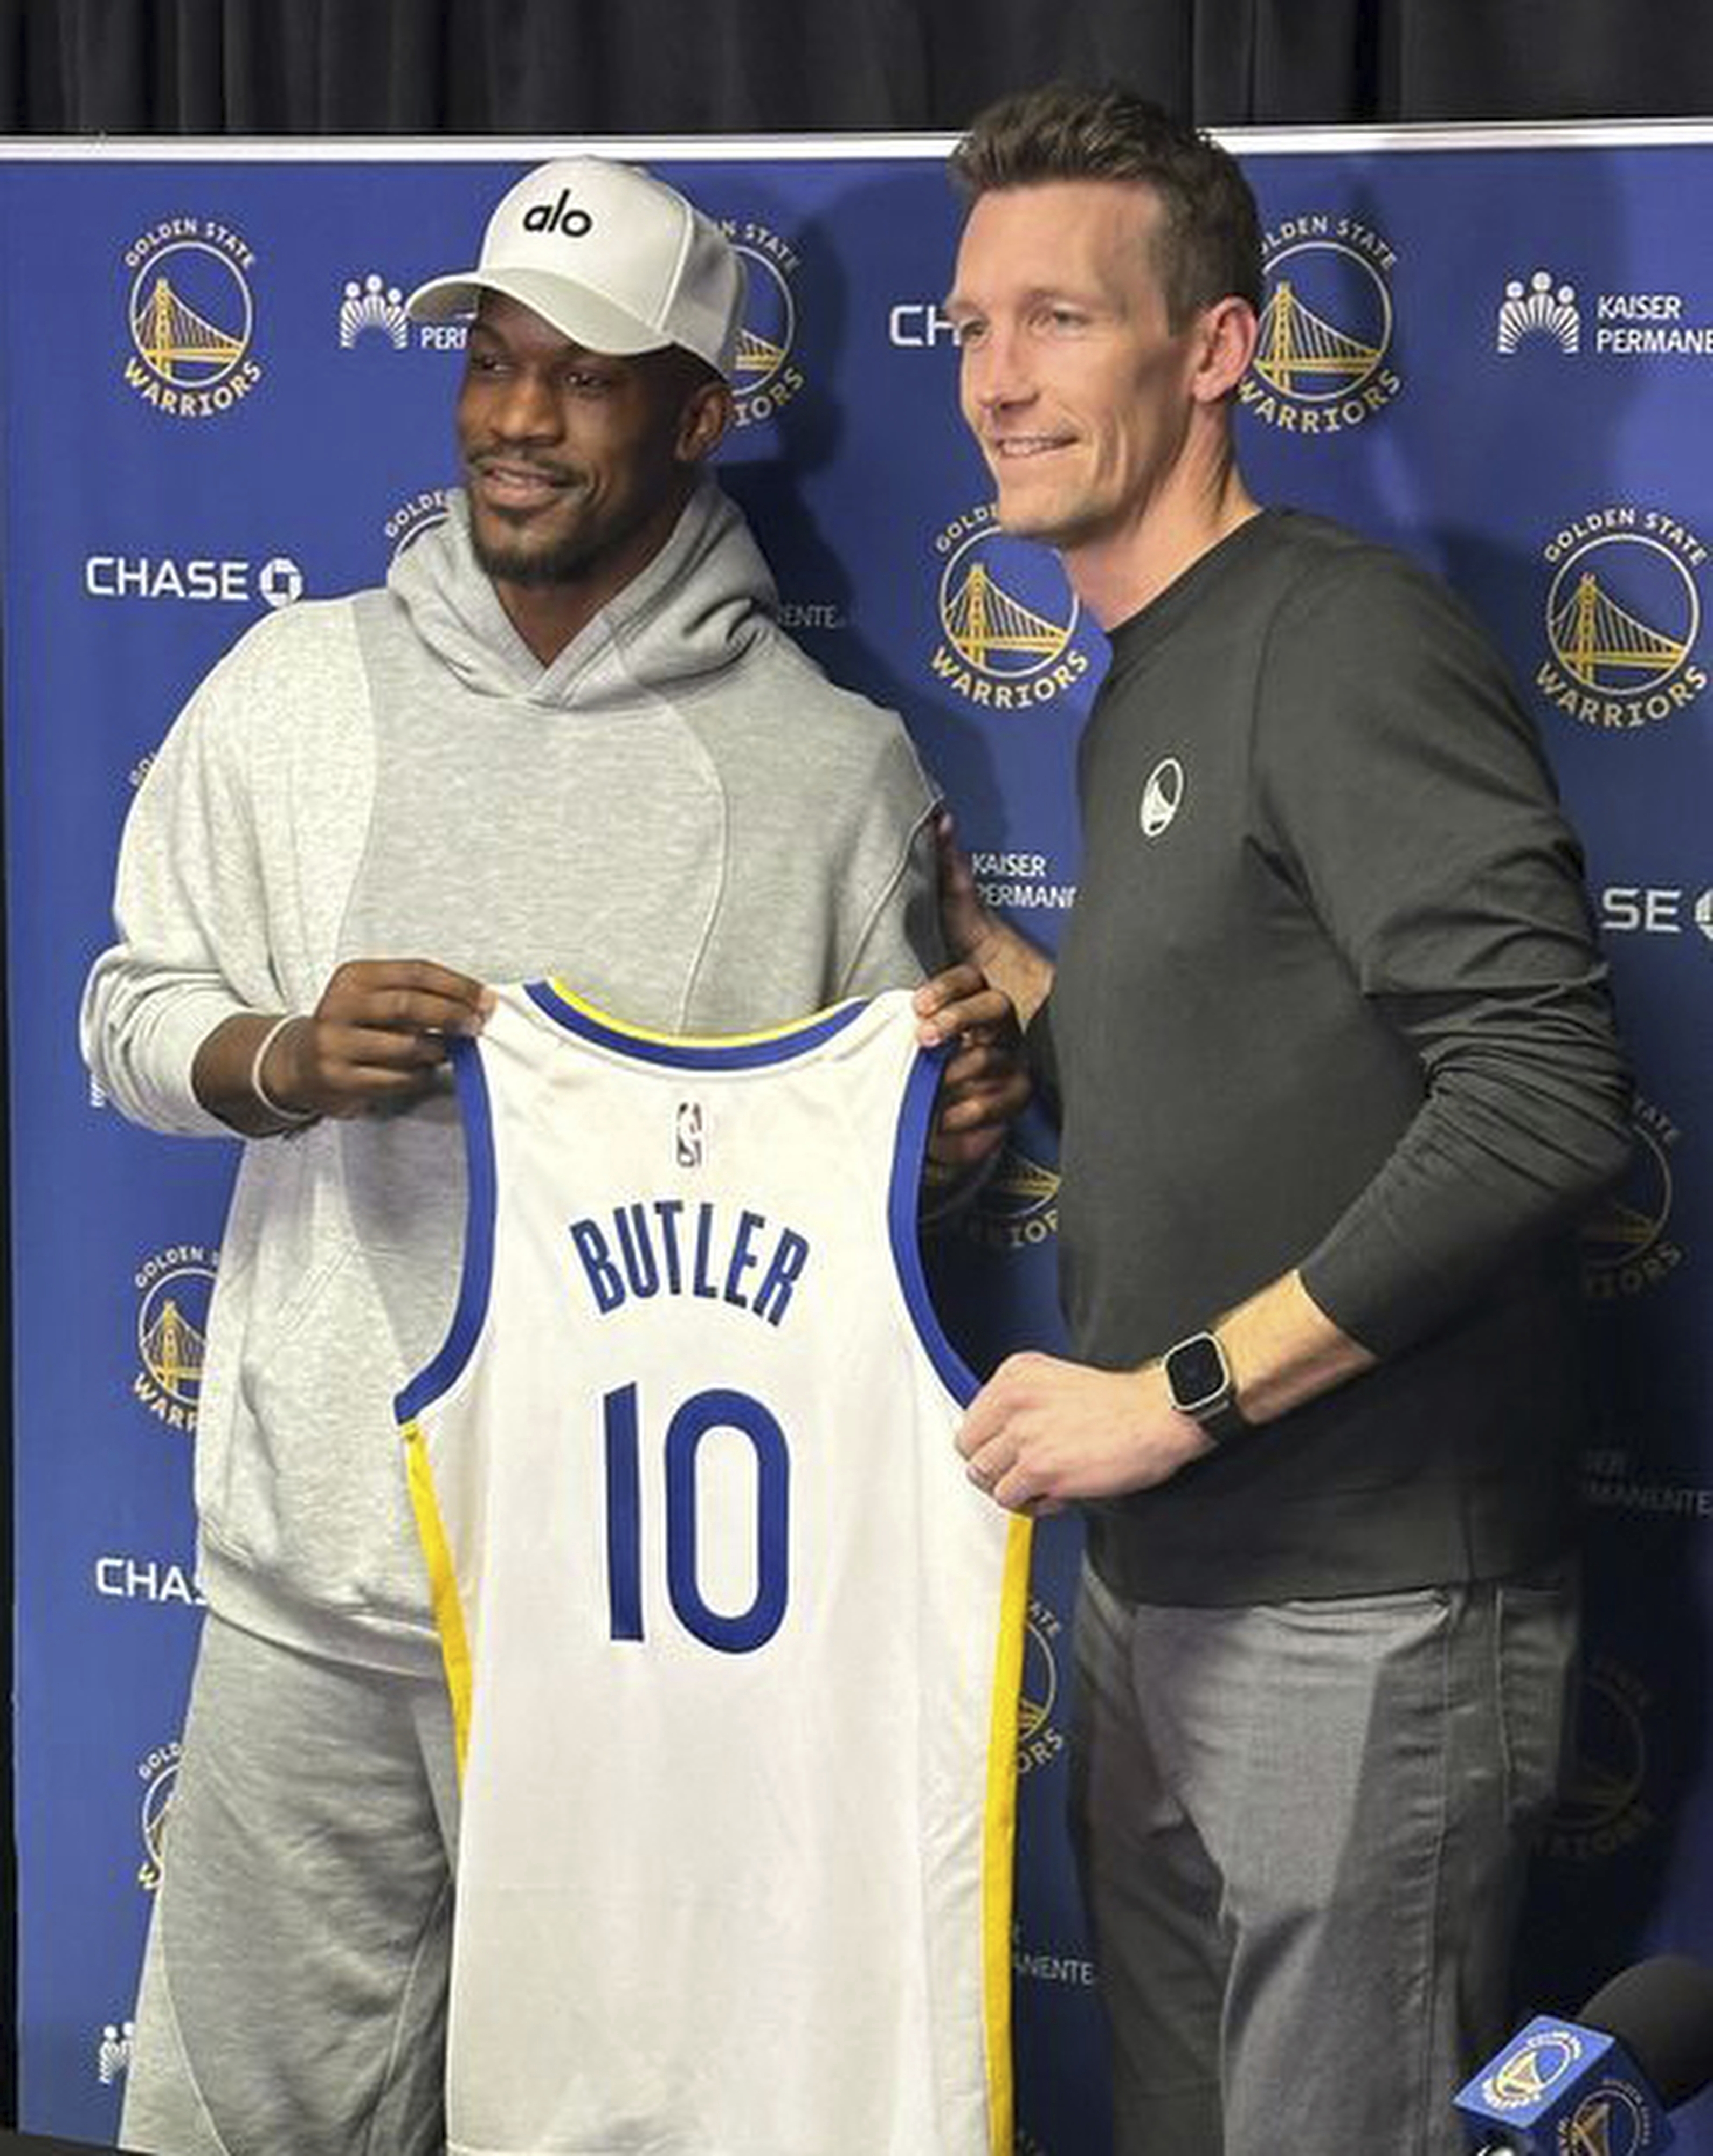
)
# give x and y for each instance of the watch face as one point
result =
(1196, 1373)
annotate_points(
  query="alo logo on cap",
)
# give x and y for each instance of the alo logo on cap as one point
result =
(559, 216)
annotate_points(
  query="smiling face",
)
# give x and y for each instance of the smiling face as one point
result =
(577, 463)
(1079, 390)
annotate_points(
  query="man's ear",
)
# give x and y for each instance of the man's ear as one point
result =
(703, 420)
(1225, 336)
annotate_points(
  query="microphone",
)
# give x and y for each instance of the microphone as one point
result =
(1600, 2086)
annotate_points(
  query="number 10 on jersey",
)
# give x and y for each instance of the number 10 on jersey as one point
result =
(738, 1632)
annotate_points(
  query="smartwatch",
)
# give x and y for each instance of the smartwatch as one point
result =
(1198, 1377)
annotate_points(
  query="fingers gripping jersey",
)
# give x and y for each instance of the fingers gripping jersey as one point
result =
(734, 1646)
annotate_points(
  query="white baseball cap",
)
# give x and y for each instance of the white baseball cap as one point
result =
(613, 260)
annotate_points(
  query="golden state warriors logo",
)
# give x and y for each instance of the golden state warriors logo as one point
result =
(1611, 2121)
(765, 374)
(1008, 616)
(1605, 1807)
(1532, 2069)
(174, 1289)
(158, 1773)
(410, 519)
(1626, 1246)
(192, 318)
(1323, 359)
(1038, 1739)
(1623, 611)
(1019, 1204)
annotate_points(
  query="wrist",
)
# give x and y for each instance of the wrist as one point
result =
(267, 1085)
(1202, 1386)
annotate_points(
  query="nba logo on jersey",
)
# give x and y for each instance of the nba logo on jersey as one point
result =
(733, 1643)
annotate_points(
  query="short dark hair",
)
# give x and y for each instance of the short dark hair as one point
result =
(1209, 242)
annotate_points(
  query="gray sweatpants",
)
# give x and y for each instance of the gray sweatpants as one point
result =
(1302, 1831)
(294, 1993)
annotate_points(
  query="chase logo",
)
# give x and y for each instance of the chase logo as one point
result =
(159, 1774)
(1604, 1808)
(1530, 2071)
(1039, 1741)
(1541, 310)
(192, 318)
(765, 373)
(1322, 359)
(562, 216)
(1007, 617)
(1019, 1204)
(174, 1289)
(277, 583)
(1626, 1245)
(1623, 614)
(372, 308)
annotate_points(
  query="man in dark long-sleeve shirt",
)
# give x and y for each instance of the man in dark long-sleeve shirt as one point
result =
(1337, 1075)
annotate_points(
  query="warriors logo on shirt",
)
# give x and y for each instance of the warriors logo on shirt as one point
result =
(1627, 1245)
(765, 374)
(192, 317)
(174, 1288)
(1008, 619)
(158, 1772)
(1019, 1204)
(1323, 357)
(1605, 1807)
(1623, 615)
(1039, 1740)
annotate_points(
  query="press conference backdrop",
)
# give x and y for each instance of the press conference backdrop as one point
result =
(1495, 349)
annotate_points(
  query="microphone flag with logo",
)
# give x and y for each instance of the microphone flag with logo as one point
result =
(1601, 2085)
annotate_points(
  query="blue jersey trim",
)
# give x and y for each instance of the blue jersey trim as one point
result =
(477, 1277)
(907, 1154)
(733, 1052)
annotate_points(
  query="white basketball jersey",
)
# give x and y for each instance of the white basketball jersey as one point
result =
(733, 1643)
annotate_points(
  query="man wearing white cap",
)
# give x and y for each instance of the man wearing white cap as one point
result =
(567, 737)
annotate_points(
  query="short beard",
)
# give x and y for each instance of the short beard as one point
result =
(534, 567)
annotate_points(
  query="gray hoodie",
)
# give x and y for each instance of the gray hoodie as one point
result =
(680, 817)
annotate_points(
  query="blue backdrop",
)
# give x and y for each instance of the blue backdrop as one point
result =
(1494, 350)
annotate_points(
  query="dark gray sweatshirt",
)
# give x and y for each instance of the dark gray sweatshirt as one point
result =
(1329, 998)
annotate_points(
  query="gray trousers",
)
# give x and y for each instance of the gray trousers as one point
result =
(293, 1995)
(1301, 1833)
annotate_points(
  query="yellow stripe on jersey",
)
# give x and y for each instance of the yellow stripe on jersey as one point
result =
(999, 1836)
(443, 1586)
(628, 1032)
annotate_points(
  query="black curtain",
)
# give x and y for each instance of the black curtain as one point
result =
(600, 67)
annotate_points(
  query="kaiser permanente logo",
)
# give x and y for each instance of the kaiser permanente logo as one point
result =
(1623, 614)
(192, 317)
(1322, 360)
(766, 375)
(1548, 313)
(1007, 617)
